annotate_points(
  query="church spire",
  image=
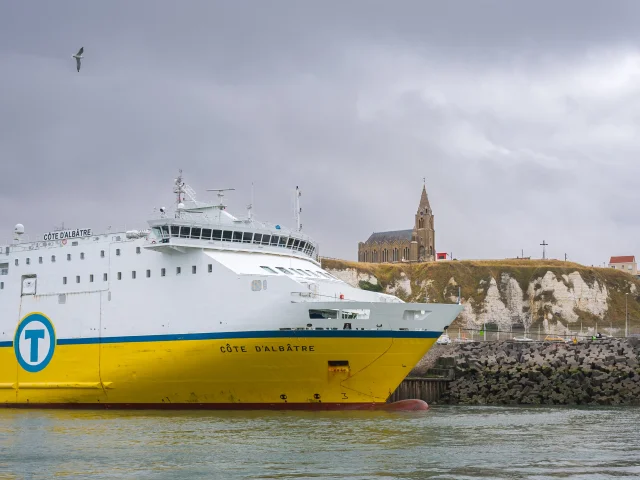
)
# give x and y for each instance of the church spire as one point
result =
(424, 200)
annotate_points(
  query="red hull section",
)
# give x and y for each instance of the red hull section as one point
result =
(403, 405)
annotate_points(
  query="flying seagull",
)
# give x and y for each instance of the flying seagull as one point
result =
(78, 56)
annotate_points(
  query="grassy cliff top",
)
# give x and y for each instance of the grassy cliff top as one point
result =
(432, 281)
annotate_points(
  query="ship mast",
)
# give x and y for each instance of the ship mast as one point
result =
(298, 210)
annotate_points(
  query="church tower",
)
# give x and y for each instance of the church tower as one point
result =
(423, 239)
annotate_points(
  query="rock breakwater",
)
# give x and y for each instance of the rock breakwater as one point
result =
(590, 372)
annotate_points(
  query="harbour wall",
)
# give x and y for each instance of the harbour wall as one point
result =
(590, 372)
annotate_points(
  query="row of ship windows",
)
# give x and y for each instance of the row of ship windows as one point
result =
(163, 273)
(53, 258)
(298, 271)
(196, 233)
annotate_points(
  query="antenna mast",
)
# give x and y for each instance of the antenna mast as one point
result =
(250, 206)
(298, 210)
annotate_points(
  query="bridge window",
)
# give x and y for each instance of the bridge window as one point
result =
(206, 234)
(175, 231)
(246, 237)
(165, 231)
(217, 235)
(226, 236)
(290, 242)
(237, 237)
(274, 240)
(284, 270)
(195, 233)
(283, 242)
(257, 238)
(266, 239)
(185, 232)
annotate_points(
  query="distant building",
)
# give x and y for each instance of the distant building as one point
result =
(413, 245)
(626, 263)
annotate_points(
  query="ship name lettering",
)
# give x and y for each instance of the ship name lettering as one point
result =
(65, 234)
(282, 348)
(233, 348)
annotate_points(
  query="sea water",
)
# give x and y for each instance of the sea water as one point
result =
(443, 443)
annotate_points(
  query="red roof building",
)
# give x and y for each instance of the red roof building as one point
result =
(626, 263)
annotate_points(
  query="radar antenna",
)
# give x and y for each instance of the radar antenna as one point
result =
(220, 194)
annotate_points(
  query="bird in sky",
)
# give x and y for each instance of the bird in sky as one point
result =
(78, 56)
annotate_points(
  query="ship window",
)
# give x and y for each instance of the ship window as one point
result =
(104, 277)
(324, 275)
(4, 269)
(165, 231)
(257, 237)
(53, 258)
(210, 268)
(163, 272)
(91, 278)
(290, 242)
(330, 313)
(283, 241)
(77, 278)
(284, 270)
(256, 285)
(217, 234)
(178, 270)
(39, 259)
(16, 262)
(1, 285)
(101, 253)
(119, 275)
(206, 234)
(270, 270)
(133, 274)
(237, 237)
(64, 280)
(266, 239)
(185, 232)
(68, 257)
(81, 255)
(226, 236)
(246, 237)
(28, 261)
(338, 363)
(148, 273)
(295, 244)
(74, 244)
(195, 233)
(137, 249)
(274, 239)
(193, 269)
(175, 231)
(117, 251)
(312, 273)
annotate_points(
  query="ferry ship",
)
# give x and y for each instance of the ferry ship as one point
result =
(202, 309)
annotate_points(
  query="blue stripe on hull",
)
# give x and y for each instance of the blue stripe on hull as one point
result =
(256, 334)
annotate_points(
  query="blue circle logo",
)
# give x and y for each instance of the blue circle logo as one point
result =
(35, 342)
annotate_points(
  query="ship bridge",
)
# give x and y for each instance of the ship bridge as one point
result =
(197, 224)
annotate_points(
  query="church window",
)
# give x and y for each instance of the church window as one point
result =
(421, 223)
(430, 250)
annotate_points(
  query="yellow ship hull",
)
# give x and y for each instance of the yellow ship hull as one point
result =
(296, 369)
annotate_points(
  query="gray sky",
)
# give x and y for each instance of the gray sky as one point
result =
(523, 117)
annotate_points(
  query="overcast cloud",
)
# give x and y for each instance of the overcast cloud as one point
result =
(522, 116)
